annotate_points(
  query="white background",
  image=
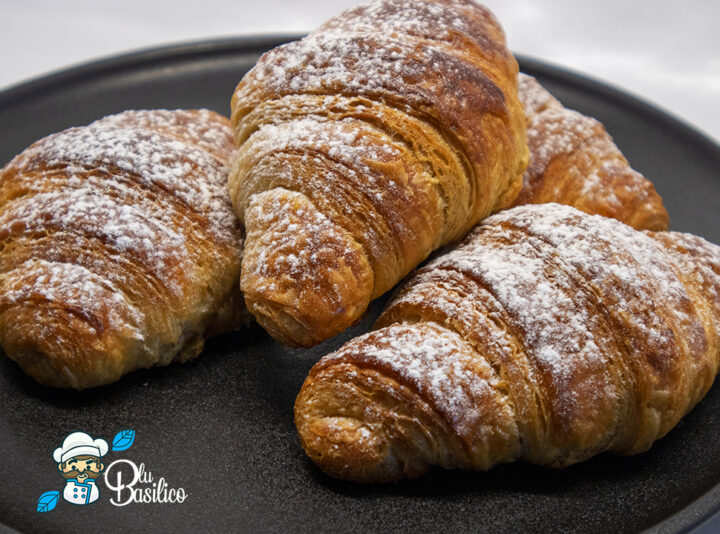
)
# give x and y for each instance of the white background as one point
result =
(666, 52)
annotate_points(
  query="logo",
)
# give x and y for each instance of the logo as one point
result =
(81, 462)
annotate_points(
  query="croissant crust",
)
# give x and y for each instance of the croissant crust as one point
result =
(118, 246)
(386, 133)
(549, 335)
(574, 161)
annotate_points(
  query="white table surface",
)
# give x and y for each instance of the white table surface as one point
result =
(666, 52)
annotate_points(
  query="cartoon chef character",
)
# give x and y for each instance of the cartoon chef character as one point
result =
(79, 462)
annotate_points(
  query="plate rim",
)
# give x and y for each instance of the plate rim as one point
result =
(258, 43)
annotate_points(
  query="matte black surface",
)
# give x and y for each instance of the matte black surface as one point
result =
(221, 427)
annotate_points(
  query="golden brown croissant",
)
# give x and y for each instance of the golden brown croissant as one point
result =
(386, 133)
(119, 248)
(549, 335)
(574, 161)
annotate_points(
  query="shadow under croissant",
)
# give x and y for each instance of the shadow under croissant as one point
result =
(282, 370)
(172, 376)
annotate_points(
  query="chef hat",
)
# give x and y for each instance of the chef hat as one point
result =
(78, 444)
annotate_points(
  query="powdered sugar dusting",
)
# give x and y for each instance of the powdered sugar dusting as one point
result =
(398, 17)
(280, 220)
(133, 189)
(287, 225)
(699, 261)
(341, 140)
(552, 130)
(433, 361)
(597, 178)
(592, 245)
(76, 288)
(200, 128)
(188, 173)
(372, 47)
(352, 174)
(414, 75)
(556, 323)
(626, 271)
(598, 310)
(393, 52)
(573, 291)
(438, 66)
(89, 204)
(445, 295)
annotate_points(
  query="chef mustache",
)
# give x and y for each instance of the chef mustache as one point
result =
(75, 473)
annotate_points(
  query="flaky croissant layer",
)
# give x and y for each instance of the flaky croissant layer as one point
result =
(548, 335)
(574, 161)
(386, 133)
(119, 248)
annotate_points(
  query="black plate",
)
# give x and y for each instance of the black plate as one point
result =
(221, 427)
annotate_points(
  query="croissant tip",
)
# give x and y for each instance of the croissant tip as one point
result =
(347, 449)
(280, 324)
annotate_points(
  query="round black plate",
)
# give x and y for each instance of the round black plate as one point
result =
(221, 426)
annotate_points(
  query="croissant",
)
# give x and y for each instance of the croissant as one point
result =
(574, 161)
(548, 336)
(119, 248)
(386, 133)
